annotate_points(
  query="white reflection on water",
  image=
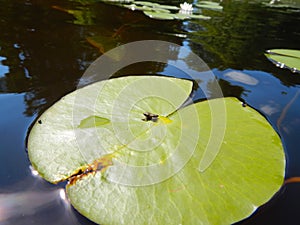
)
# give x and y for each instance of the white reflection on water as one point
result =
(37, 203)
(241, 77)
(25, 203)
(270, 108)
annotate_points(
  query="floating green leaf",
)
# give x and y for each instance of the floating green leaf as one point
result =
(170, 7)
(285, 58)
(159, 15)
(209, 5)
(160, 11)
(64, 118)
(283, 4)
(181, 16)
(143, 166)
(146, 3)
(195, 16)
(136, 7)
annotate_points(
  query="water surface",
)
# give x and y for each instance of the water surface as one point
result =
(45, 49)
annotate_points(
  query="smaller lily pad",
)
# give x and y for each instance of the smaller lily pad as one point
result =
(151, 4)
(209, 5)
(181, 16)
(282, 4)
(196, 16)
(286, 52)
(170, 7)
(161, 10)
(136, 7)
(159, 15)
(155, 6)
(285, 58)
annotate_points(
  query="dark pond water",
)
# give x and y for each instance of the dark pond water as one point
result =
(45, 49)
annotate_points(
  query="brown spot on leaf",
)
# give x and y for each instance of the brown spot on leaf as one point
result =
(99, 165)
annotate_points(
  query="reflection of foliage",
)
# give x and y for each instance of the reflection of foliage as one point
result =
(152, 68)
(239, 36)
(227, 88)
(83, 15)
(43, 62)
(46, 56)
(231, 90)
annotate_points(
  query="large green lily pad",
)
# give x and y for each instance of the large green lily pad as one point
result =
(140, 161)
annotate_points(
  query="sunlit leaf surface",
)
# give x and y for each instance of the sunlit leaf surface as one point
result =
(285, 58)
(141, 166)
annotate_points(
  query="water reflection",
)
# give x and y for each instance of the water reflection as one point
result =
(33, 201)
(270, 108)
(37, 56)
(46, 64)
(45, 51)
(3, 68)
(17, 207)
(240, 77)
(283, 123)
(242, 33)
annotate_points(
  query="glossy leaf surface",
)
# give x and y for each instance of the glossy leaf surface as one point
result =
(142, 167)
(285, 58)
